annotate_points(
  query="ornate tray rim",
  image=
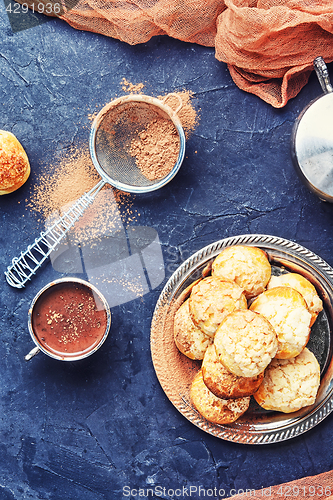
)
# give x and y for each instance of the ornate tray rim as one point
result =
(296, 425)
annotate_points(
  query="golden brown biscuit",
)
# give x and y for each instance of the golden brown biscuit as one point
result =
(189, 339)
(223, 383)
(304, 287)
(286, 310)
(245, 343)
(216, 410)
(290, 384)
(211, 300)
(247, 266)
(14, 163)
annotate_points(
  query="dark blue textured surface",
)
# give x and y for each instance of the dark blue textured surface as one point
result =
(86, 430)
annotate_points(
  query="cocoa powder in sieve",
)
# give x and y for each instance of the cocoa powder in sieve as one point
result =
(157, 148)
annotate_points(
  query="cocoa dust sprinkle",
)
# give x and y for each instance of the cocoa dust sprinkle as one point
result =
(133, 285)
(73, 174)
(131, 88)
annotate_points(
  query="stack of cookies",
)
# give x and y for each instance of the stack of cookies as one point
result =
(250, 330)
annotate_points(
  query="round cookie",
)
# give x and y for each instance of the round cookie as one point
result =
(286, 310)
(14, 163)
(247, 266)
(223, 383)
(245, 343)
(211, 300)
(189, 339)
(304, 287)
(290, 384)
(216, 410)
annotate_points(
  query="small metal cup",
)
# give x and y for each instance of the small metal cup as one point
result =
(71, 356)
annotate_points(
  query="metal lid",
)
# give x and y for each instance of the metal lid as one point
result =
(312, 139)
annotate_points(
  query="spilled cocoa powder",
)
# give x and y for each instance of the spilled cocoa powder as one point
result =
(131, 88)
(73, 175)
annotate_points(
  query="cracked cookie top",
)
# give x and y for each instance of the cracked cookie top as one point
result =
(286, 310)
(223, 383)
(211, 300)
(304, 287)
(290, 384)
(245, 343)
(245, 265)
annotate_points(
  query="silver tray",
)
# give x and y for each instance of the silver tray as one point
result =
(175, 371)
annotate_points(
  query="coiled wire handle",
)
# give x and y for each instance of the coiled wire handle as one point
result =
(25, 266)
(322, 74)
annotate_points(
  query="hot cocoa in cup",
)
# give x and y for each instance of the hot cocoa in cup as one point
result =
(68, 320)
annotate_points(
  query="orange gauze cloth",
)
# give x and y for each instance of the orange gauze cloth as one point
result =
(269, 45)
(318, 487)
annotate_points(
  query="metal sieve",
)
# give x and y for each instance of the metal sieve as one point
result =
(113, 130)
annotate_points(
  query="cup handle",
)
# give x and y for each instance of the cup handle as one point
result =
(32, 353)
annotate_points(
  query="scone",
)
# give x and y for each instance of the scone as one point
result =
(247, 266)
(216, 410)
(286, 310)
(223, 383)
(290, 384)
(14, 163)
(245, 343)
(189, 339)
(304, 287)
(211, 300)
